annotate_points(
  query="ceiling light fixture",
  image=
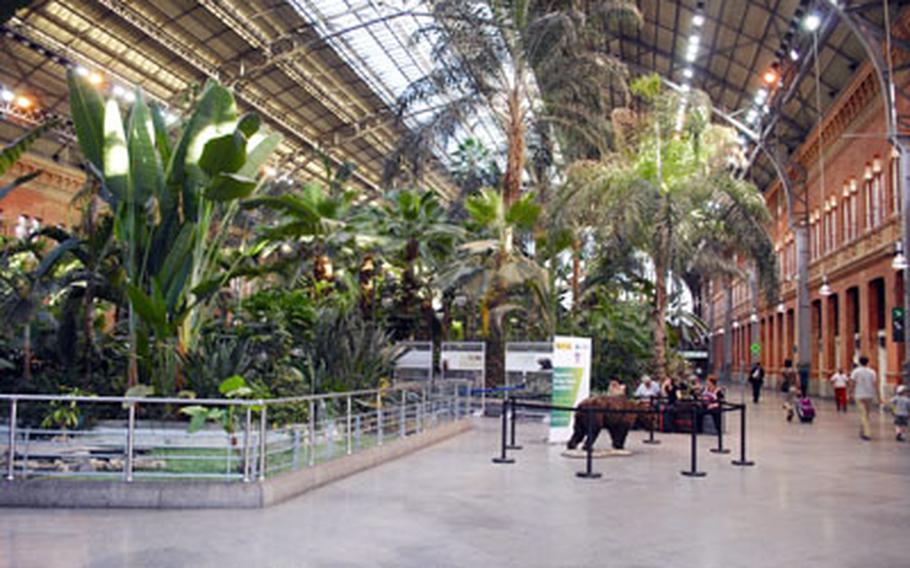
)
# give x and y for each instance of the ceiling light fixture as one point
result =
(698, 20)
(95, 78)
(688, 73)
(7, 95)
(23, 102)
(812, 22)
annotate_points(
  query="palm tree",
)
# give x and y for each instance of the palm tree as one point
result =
(495, 274)
(414, 235)
(486, 53)
(673, 194)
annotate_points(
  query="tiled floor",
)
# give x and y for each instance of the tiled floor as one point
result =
(817, 497)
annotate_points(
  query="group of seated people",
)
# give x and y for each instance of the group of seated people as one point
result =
(676, 395)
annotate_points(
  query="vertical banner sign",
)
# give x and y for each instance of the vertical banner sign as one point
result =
(571, 382)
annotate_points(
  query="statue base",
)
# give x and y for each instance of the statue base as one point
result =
(596, 454)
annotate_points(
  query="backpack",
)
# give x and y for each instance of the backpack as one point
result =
(805, 410)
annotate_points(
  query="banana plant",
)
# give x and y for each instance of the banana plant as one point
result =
(174, 196)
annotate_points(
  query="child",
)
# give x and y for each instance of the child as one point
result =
(839, 380)
(900, 405)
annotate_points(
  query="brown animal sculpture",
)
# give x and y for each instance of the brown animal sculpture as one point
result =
(618, 424)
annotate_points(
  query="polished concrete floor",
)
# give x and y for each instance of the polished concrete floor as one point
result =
(818, 496)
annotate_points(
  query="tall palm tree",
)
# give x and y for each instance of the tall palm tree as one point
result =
(672, 192)
(486, 53)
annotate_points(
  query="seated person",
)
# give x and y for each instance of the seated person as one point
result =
(647, 388)
(616, 388)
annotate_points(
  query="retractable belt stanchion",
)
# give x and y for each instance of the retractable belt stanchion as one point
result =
(503, 458)
(589, 448)
(651, 420)
(720, 432)
(512, 408)
(742, 461)
(693, 471)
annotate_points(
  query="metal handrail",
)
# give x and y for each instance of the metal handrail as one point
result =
(255, 454)
(210, 401)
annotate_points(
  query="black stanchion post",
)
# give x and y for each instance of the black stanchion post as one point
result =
(651, 420)
(513, 407)
(503, 458)
(742, 461)
(720, 432)
(693, 471)
(589, 447)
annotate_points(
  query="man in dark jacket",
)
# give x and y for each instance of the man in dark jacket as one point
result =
(757, 378)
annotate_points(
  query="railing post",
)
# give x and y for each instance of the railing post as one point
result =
(693, 471)
(130, 441)
(720, 432)
(651, 420)
(588, 473)
(247, 440)
(10, 466)
(512, 407)
(503, 457)
(742, 461)
(403, 414)
(379, 417)
(263, 440)
(348, 428)
(423, 404)
(295, 459)
(312, 434)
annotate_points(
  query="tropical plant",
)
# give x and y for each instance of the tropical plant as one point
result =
(415, 240)
(672, 193)
(173, 204)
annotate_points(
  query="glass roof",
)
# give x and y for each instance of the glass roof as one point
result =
(377, 43)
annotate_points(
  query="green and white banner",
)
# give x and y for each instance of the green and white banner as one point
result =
(571, 382)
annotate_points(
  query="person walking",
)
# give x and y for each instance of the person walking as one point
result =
(839, 381)
(756, 379)
(900, 406)
(864, 384)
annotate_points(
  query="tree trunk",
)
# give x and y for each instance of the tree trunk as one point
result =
(576, 273)
(660, 318)
(516, 151)
(27, 352)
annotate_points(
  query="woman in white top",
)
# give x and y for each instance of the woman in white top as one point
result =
(839, 381)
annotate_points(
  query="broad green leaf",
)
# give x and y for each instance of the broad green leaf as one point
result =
(225, 154)
(232, 384)
(523, 213)
(116, 155)
(198, 416)
(140, 391)
(146, 308)
(145, 167)
(259, 149)
(249, 124)
(214, 115)
(227, 187)
(87, 109)
(162, 140)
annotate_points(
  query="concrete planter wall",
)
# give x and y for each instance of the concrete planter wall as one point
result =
(70, 493)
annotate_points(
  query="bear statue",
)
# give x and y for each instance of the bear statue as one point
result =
(618, 424)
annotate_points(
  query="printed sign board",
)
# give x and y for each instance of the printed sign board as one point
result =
(415, 361)
(571, 382)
